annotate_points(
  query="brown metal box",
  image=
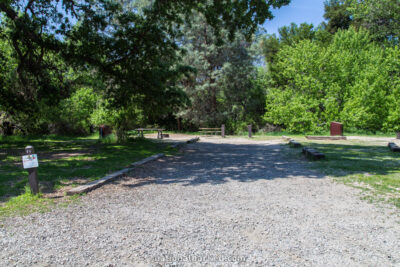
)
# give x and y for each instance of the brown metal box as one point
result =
(104, 130)
(336, 128)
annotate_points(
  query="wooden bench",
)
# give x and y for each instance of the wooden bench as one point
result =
(159, 132)
(312, 153)
(210, 130)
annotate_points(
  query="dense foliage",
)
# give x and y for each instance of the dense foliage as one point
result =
(67, 66)
(126, 51)
(346, 70)
(352, 80)
(220, 89)
(380, 17)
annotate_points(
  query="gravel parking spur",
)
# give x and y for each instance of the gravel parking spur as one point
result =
(222, 202)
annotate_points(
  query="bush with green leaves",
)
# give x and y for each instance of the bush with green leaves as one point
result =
(120, 119)
(352, 80)
(76, 111)
(392, 67)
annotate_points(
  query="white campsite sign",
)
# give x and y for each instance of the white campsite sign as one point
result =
(30, 161)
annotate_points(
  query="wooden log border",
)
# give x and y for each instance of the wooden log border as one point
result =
(294, 143)
(394, 147)
(326, 137)
(111, 177)
(312, 153)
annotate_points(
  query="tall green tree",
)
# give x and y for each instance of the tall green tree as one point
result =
(337, 14)
(270, 45)
(133, 53)
(290, 36)
(241, 99)
(380, 17)
(352, 80)
(220, 89)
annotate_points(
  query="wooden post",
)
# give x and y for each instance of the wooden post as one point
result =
(32, 173)
(179, 123)
(223, 130)
(249, 128)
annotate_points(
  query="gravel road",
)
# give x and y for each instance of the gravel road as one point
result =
(221, 202)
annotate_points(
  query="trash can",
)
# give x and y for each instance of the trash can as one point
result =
(336, 128)
(104, 130)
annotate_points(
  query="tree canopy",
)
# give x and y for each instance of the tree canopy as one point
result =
(133, 52)
(220, 89)
(337, 14)
(66, 65)
(380, 17)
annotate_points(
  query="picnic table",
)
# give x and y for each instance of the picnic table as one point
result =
(159, 132)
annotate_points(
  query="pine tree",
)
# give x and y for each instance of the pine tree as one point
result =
(219, 88)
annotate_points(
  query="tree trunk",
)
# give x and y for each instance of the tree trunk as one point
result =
(178, 120)
(122, 135)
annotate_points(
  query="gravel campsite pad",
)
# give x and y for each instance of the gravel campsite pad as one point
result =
(219, 202)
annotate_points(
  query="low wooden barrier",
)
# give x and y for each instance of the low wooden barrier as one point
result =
(394, 147)
(294, 143)
(211, 131)
(313, 154)
(326, 137)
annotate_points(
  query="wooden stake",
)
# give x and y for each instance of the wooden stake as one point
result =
(32, 173)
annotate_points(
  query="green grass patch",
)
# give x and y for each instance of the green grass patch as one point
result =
(64, 160)
(27, 203)
(370, 166)
(261, 135)
(326, 133)
(24, 204)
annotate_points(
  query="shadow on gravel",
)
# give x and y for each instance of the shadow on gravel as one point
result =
(219, 163)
